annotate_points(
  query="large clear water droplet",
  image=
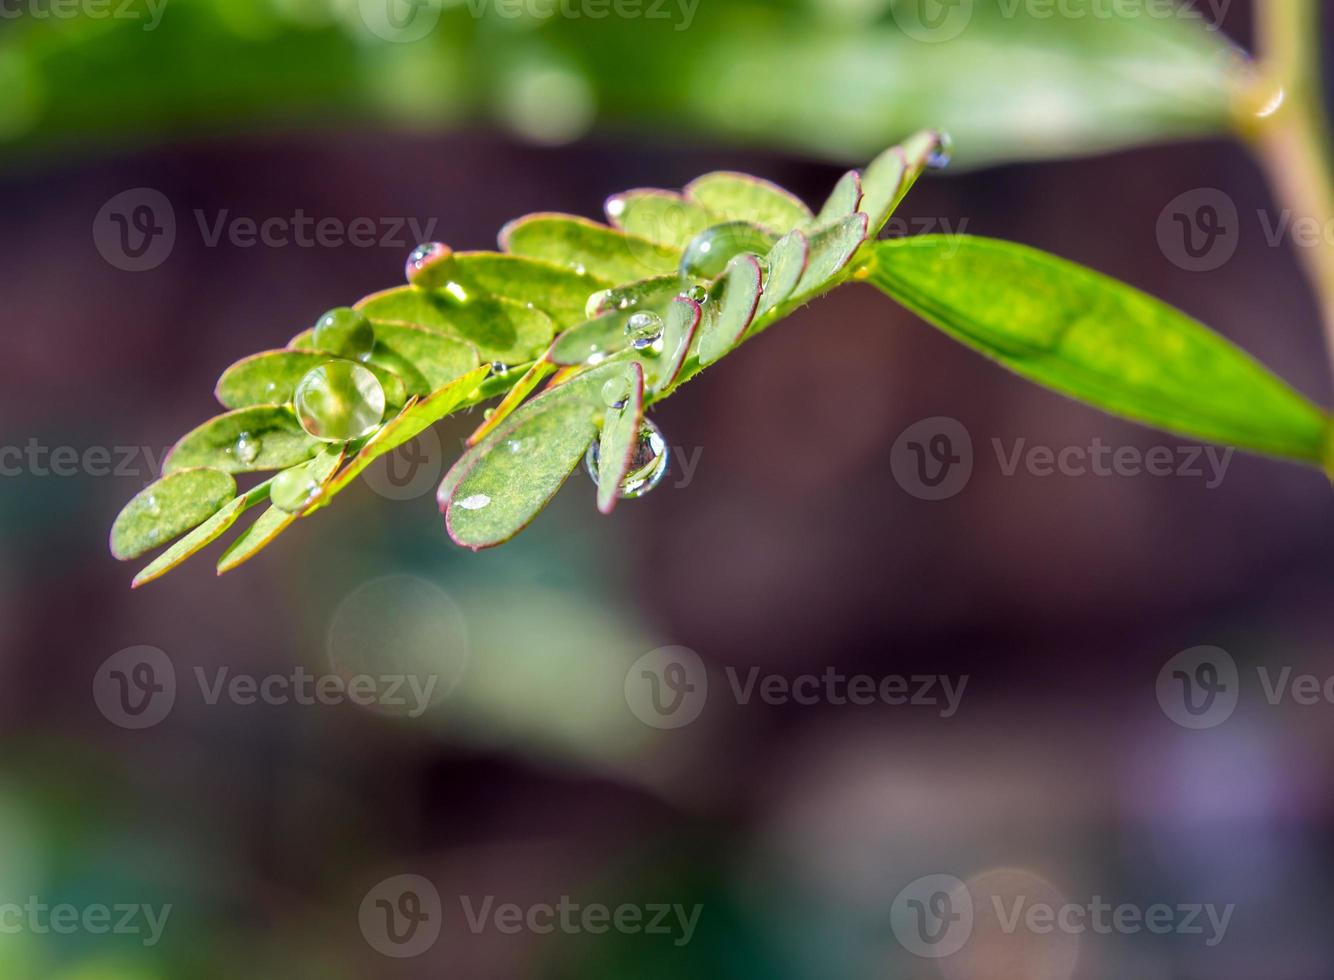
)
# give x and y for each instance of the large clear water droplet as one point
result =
(339, 401)
(345, 331)
(709, 252)
(294, 489)
(940, 157)
(594, 306)
(698, 293)
(648, 465)
(615, 392)
(644, 329)
(423, 256)
(246, 449)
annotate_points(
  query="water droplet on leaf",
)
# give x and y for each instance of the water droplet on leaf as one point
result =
(594, 305)
(644, 330)
(293, 489)
(424, 255)
(615, 392)
(648, 465)
(345, 331)
(940, 157)
(476, 502)
(499, 369)
(709, 252)
(339, 401)
(698, 293)
(247, 448)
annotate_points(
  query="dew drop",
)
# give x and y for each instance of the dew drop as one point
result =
(339, 401)
(423, 256)
(476, 502)
(246, 449)
(615, 392)
(293, 489)
(648, 465)
(940, 157)
(345, 331)
(709, 252)
(499, 369)
(698, 293)
(644, 329)
(595, 302)
(579, 268)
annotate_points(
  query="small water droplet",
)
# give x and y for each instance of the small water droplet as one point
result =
(615, 206)
(151, 502)
(644, 329)
(709, 252)
(648, 465)
(626, 302)
(293, 489)
(698, 293)
(487, 413)
(476, 502)
(615, 392)
(515, 446)
(424, 255)
(499, 369)
(595, 358)
(940, 157)
(345, 331)
(247, 448)
(595, 301)
(579, 269)
(339, 401)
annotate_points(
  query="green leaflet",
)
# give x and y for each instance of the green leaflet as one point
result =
(620, 432)
(225, 442)
(584, 245)
(731, 196)
(202, 536)
(425, 360)
(730, 308)
(1099, 341)
(555, 289)
(651, 294)
(844, 199)
(497, 487)
(403, 428)
(170, 506)
(271, 377)
(663, 217)
(831, 247)
(501, 329)
(275, 521)
(787, 262)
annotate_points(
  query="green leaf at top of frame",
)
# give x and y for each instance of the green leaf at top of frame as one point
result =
(500, 329)
(587, 246)
(1099, 341)
(168, 508)
(247, 440)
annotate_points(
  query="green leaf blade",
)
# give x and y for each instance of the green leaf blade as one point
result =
(1098, 341)
(272, 431)
(202, 536)
(169, 507)
(731, 196)
(586, 246)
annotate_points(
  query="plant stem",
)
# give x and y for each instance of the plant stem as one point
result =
(1282, 113)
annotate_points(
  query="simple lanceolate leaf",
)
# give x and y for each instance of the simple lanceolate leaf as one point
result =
(500, 329)
(202, 536)
(403, 428)
(584, 245)
(1099, 341)
(555, 289)
(497, 487)
(731, 196)
(787, 262)
(662, 217)
(730, 309)
(271, 377)
(248, 440)
(275, 520)
(619, 436)
(168, 508)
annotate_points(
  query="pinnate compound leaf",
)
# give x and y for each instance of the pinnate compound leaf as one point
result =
(403, 428)
(1099, 341)
(202, 536)
(662, 217)
(271, 432)
(497, 487)
(732, 196)
(730, 309)
(169, 507)
(619, 438)
(500, 329)
(580, 244)
(275, 520)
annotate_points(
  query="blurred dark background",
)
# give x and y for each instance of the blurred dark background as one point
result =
(791, 548)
